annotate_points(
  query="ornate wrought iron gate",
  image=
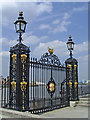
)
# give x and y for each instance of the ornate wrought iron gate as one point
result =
(48, 86)
(45, 88)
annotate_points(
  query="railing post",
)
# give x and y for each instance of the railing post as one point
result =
(2, 95)
(61, 93)
(67, 84)
(5, 92)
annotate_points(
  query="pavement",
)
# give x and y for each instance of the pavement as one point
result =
(68, 112)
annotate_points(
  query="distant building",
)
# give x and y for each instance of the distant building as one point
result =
(87, 81)
(7, 78)
(1, 78)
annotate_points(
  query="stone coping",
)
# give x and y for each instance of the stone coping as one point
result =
(18, 113)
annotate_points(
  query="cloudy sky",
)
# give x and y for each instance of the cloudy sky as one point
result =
(49, 24)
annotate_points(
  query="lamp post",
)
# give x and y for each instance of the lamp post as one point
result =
(19, 70)
(72, 75)
(20, 25)
(70, 45)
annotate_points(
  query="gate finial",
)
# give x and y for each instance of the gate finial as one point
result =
(50, 50)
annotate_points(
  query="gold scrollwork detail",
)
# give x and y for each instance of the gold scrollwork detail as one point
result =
(76, 83)
(36, 104)
(70, 83)
(13, 85)
(23, 85)
(23, 58)
(75, 66)
(69, 65)
(14, 58)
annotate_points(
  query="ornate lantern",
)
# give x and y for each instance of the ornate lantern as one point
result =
(20, 24)
(70, 44)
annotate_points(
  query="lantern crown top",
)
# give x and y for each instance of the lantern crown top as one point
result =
(20, 13)
(69, 36)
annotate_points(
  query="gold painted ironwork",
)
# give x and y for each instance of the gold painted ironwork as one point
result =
(70, 66)
(50, 50)
(70, 83)
(75, 66)
(23, 73)
(20, 12)
(36, 104)
(23, 107)
(69, 36)
(13, 66)
(76, 84)
(23, 88)
(14, 58)
(13, 85)
(52, 87)
(23, 58)
(23, 85)
(13, 101)
(13, 94)
(13, 73)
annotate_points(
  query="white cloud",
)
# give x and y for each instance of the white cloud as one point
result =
(28, 39)
(56, 44)
(60, 48)
(83, 58)
(12, 43)
(33, 39)
(4, 54)
(80, 9)
(31, 10)
(3, 41)
(45, 26)
(82, 47)
(4, 63)
(66, 16)
(56, 21)
(44, 7)
(62, 27)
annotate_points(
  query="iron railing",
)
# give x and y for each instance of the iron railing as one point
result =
(83, 90)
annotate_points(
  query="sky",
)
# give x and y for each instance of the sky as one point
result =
(48, 24)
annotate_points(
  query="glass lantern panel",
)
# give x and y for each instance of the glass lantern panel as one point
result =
(22, 26)
(70, 46)
(17, 26)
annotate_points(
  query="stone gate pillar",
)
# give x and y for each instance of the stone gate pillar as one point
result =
(19, 72)
(72, 64)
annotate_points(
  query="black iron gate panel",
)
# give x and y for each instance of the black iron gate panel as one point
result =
(5, 93)
(45, 87)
